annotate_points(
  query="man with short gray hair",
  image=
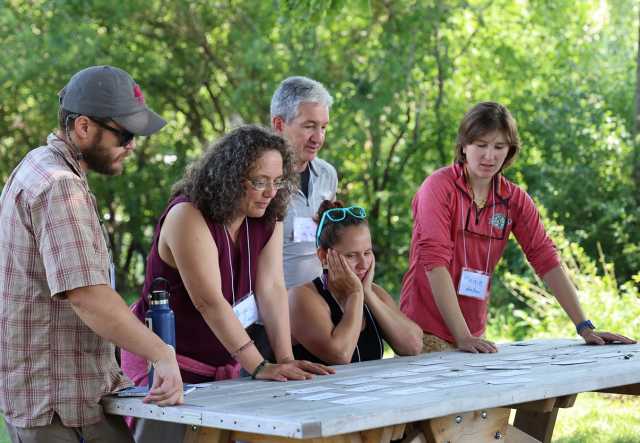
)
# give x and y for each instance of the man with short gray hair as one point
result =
(300, 113)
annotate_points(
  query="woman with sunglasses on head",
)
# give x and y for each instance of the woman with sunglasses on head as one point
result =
(463, 215)
(343, 317)
(219, 245)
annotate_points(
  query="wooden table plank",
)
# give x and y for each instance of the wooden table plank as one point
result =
(268, 408)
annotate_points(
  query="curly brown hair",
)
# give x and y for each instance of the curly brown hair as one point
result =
(215, 182)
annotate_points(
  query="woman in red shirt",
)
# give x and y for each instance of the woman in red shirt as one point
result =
(463, 215)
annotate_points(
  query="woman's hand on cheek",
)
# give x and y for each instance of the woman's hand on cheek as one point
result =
(341, 279)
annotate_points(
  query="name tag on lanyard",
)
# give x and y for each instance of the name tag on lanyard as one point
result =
(112, 275)
(474, 284)
(304, 229)
(247, 310)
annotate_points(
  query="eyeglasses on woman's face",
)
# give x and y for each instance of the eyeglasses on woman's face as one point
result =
(261, 183)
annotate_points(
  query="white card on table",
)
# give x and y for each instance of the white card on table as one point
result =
(322, 396)
(354, 400)
(409, 391)
(367, 388)
(509, 381)
(355, 381)
(309, 390)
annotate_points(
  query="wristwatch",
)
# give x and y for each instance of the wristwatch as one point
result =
(584, 325)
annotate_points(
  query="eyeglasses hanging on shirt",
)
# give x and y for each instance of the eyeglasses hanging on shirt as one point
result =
(496, 227)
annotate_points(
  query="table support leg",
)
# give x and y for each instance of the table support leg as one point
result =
(200, 434)
(540, 423)
(471, 427)
(537, 424)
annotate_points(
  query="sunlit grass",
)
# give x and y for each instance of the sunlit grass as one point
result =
(600, 418)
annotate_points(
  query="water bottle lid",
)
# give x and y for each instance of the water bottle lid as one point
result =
(159, 291)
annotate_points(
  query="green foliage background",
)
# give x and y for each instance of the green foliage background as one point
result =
(402, 74)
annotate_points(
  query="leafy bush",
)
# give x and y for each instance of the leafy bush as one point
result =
(611, 306)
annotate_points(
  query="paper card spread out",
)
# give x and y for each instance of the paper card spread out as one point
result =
(416, 380)
(322, 396)
(454, 374)
(409, 391)
(394, 374)
(310, 390)
(509, 381)
(571, 362)
(427, 361)
(367, 388)
(454, 383)
(482, 364)
(355, 381)
(518, 357)
(434, 368)
(420, 369)
(354, 400)
(509, 373)
(507, 367)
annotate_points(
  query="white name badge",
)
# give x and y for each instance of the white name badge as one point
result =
(247, 310)
(112, 275)
(304, 229)
(474, 284)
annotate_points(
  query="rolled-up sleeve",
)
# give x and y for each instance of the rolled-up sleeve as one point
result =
(434, 209)
(533, 239)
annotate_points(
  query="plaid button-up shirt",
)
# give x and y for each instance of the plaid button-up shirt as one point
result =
(51, 242)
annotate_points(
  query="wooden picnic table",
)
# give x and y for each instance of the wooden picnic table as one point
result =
(439, 397)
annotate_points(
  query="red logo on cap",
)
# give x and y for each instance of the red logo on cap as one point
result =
(137, 93)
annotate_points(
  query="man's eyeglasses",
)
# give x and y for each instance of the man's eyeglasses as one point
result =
(261, 184)
(124, 136)
(337, 215)
(498, 222)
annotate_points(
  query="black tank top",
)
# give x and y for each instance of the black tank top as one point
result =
(369, 345)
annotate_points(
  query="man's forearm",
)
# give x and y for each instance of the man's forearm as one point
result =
(103, 310)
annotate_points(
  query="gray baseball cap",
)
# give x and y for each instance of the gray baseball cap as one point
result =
(109, 92)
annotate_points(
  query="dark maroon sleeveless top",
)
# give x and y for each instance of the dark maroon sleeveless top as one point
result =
(194, 338)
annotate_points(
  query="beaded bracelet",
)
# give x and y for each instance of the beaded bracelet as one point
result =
(258, 368)
(241, 348)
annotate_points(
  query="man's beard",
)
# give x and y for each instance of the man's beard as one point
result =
(99, 158)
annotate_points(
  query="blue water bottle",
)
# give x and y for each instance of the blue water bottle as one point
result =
(159, 317)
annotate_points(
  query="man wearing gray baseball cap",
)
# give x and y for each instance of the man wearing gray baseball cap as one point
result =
(60, 315)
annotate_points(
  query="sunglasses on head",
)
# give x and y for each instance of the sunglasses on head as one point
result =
(337, 215)
(124, 136)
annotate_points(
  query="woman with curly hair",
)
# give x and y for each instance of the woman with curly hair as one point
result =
(218, 244)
